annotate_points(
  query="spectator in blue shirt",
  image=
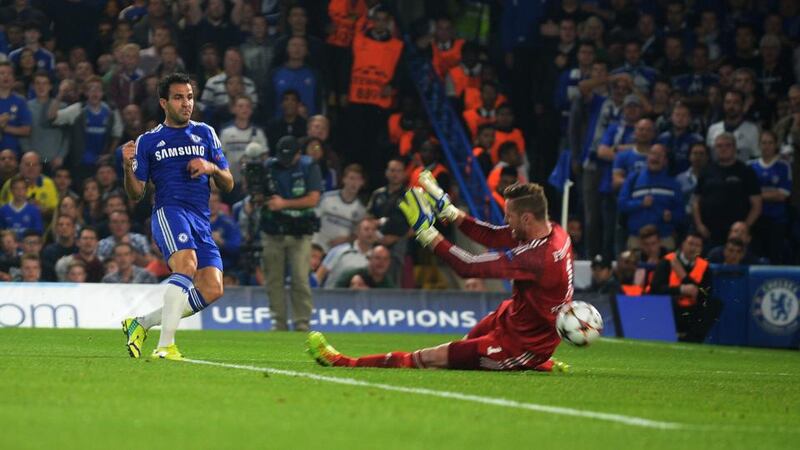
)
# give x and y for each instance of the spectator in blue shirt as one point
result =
(19, 215)
(15, 118)
(775, 178)
(567, 89)
(652, 197)
(618, 134)
(679, 139)
(295, 74)
(225, 232)
(44, 59)
(631, 158)
(643, 75)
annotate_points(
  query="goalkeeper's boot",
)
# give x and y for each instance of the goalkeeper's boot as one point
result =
(319, 349)
(169, 352)
(553, 365)
(136, 335)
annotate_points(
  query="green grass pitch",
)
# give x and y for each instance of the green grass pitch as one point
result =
(79, 389)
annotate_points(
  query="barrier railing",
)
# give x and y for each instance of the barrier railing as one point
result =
(455, 145)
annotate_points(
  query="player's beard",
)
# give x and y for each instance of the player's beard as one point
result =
(177, 118)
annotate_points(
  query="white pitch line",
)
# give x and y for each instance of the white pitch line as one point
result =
(618, 418)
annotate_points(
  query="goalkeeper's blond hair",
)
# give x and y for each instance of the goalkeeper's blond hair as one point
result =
(527, 197)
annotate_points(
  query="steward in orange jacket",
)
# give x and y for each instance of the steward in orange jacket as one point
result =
(685, 276)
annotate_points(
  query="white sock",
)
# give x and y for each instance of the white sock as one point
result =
(176, 302)
(153, 318)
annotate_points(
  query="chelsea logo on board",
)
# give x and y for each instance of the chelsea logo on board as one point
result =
(776, 306)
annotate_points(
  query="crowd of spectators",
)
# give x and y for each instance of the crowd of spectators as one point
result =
(676, 117)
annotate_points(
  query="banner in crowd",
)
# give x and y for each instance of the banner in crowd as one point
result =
(69, 305)
(66, 305)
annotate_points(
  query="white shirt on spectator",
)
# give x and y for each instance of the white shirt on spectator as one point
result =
(214, 93)
(746, 139)
(337, 217)
(235, 139)
(341, 259)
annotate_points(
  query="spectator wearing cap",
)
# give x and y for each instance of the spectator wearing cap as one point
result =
(744, 132)
(727, 192)
(44, 59)
(652, 197)
(238, 134)
(288, 222)
(603, 279)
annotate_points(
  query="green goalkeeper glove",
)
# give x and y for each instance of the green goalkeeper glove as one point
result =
(445, 210)
(419, 215)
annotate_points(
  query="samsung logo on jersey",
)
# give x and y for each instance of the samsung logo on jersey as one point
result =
(189, 150)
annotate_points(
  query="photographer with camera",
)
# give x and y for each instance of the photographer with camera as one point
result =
(290, 184)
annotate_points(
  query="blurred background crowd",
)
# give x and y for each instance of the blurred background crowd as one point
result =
(671, 117)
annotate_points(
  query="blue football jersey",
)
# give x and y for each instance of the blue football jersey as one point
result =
(162, 156)
(776, 175)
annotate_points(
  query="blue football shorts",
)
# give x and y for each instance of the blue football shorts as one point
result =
(177, 228)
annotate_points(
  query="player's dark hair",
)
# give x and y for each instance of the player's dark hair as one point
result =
(173, 78)
(528, 197)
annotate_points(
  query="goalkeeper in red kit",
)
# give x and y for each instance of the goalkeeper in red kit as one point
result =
(535, 253)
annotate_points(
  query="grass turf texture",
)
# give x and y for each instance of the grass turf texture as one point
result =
(79, 389)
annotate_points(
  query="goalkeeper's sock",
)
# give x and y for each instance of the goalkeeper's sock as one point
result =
(197, 304)
(393, 360)
(181, 299)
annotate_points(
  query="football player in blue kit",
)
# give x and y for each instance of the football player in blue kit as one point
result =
(179, 157)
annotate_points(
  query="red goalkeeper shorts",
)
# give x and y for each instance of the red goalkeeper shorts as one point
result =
(483, 349)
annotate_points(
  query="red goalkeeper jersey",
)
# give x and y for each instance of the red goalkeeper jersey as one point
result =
(541, 272)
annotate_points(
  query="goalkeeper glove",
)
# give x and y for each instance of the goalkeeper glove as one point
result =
(419, 215)
(440, 200)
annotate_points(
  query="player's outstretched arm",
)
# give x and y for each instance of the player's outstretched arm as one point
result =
(133, 186)
(480, 232)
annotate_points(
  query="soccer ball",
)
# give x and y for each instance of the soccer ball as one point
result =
(579, 323)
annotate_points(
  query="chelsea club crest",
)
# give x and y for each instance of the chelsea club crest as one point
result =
(776, 306)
